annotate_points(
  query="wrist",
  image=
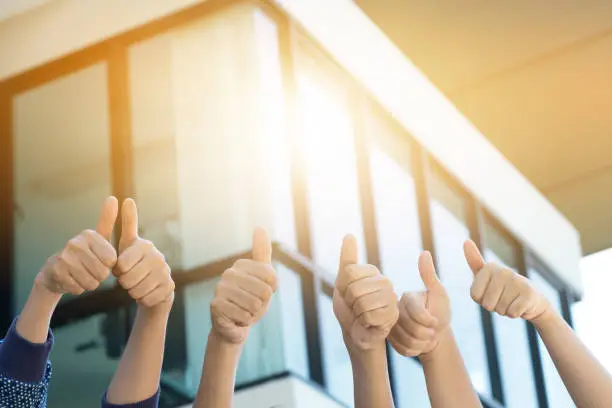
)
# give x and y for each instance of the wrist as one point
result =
(364, 348)
(548, 316)
(442, 338)
(220, 342)
(42, 296)
(161, 310)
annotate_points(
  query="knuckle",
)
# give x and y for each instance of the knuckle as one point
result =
(124, 281)
(474, 295)
(56, 274)
(122, 265)
(73, 244)
(146, 244)
(157, 257)
(394, 315)
(133, 293)
(110, 260)
(268, 292)
(371, 269)
(230, 273)
(242, 263)
(104, 274)
(271, 275)
(88, 233)
(92, 284)
(488, 306)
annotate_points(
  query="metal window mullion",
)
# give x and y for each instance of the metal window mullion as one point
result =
(475, 225)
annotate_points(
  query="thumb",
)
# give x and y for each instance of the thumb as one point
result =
(428, 271)
(348, 252)
(107, 218)
(262, 246)
(473, 256)
(129, 223)
(348, 256)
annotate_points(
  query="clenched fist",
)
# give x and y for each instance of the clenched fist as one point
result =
(86, 260)
(243, 294)
(502, 290)
(364, 302)
(141, 269)
(423, 315)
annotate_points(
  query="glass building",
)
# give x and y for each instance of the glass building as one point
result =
(221, 115)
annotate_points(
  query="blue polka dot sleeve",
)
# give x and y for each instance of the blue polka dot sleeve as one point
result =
(25, 371)
(18, 394)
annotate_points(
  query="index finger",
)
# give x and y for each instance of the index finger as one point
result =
(107, 218)
(473, 256)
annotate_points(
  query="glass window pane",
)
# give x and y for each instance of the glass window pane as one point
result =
(511, 335)
(328, 149)
(188, 87)
(336, 361)
(555, 389)
(62, 196)
(82, 367)
(450, 231)
(395, 206)
(409, 379)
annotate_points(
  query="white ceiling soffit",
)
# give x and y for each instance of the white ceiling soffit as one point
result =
(359, 46)
(10, 8)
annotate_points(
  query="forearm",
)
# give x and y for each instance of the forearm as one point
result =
(448, 382)
(587, 381)
(35, 317)
(216, 388)
(139, 370)
(24, 353)
(371, 378)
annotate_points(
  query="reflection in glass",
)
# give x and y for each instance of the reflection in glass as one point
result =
(57, 199)
(555, 389)
(450, 231)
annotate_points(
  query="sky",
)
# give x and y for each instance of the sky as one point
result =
(592, 314)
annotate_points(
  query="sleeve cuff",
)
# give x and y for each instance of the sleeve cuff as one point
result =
(19, 394)
(22, 360)
(150, 402)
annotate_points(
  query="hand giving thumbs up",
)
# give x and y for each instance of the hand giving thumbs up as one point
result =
(364, 301)
(423, 315)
